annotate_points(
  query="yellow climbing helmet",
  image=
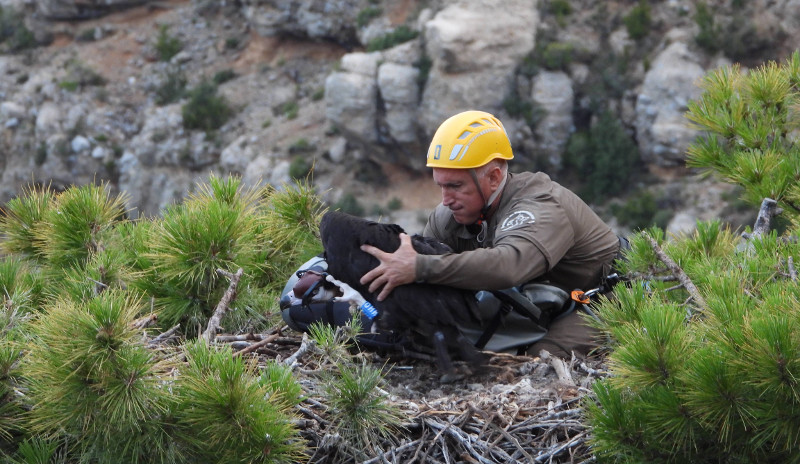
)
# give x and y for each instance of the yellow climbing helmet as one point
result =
(469, 140)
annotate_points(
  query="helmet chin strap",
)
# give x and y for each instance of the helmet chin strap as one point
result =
(487, 204)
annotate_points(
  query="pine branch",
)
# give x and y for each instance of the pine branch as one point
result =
(679, 273)
(792, 271)
(223, 305)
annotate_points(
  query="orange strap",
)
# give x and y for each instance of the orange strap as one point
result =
(580, 297)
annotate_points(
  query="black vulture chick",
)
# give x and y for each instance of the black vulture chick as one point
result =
(425, 312)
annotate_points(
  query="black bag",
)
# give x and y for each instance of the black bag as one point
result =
(299, 316)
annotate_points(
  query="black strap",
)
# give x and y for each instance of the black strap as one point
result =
(492, 327)
(329, 312)
(519, 302)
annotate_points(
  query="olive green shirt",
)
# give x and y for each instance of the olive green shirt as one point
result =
(540, 231)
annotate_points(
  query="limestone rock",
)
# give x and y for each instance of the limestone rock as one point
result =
(475, 48)
(552, 91)
(400, 92)
(352, 104)
(662, 129)
(315, 19)
(72, 9)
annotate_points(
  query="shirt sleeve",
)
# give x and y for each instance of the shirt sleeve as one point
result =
(530, 238)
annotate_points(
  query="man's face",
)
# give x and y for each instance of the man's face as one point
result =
(460, 194)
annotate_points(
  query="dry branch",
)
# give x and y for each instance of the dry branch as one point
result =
(679, 273)
(257, 345)
(305, 345)
(164, 336)
(223, 305)
(144, 321)
(769, 209)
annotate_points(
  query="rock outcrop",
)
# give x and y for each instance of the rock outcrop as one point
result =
(307, 85)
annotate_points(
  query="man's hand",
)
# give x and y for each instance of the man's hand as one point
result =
(398, 268)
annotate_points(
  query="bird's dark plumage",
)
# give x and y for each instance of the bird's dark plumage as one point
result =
(427, 312)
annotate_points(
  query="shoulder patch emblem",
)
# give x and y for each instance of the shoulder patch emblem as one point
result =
(516, 219)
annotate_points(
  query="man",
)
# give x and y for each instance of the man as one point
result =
(507, 230)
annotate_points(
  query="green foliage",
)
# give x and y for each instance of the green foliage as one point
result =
(205, 110)
(358, 411)
(394, 204)
(22, 290)
(518, 107)
(290, 109)
(37, 451)
(289, 231)
(226, 414)
(77, 383)
(21, 217)
(79, 75)
(299, 168)
(367, 14)
(215, 228)
(94, 385)
(11, 408)
(76, 225)
(86, 35)
(606, 157)
(708, 37)
(349, 204)
(13, 33)
(557, 56)
(172, 88)
(400, 35)
(232, 43)
(560, 9)
(748, 120)
(424, 64)
(638, 20)
(736, 36)
(223, 76)
(166, 45)
(710, 382)
(333, 342)
(69, 86)
(641, 211)
(301, 145)
(282, 386)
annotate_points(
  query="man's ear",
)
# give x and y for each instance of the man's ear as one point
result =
(495, 176)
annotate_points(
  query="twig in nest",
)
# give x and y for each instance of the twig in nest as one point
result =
(574, 441)
(562, 371)
(679, 273)
(164, 336)
(249, 337)
(257, 345)
(397, 451)
(223, 305)
(145, 321)
(312, 415)
(306, 345)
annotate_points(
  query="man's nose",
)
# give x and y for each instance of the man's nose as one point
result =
(447, 197)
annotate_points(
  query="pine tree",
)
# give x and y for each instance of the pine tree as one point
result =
(705, 359)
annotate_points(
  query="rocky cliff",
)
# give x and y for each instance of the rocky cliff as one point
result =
(154, 96)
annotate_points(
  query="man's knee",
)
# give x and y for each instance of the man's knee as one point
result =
(571, 333)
